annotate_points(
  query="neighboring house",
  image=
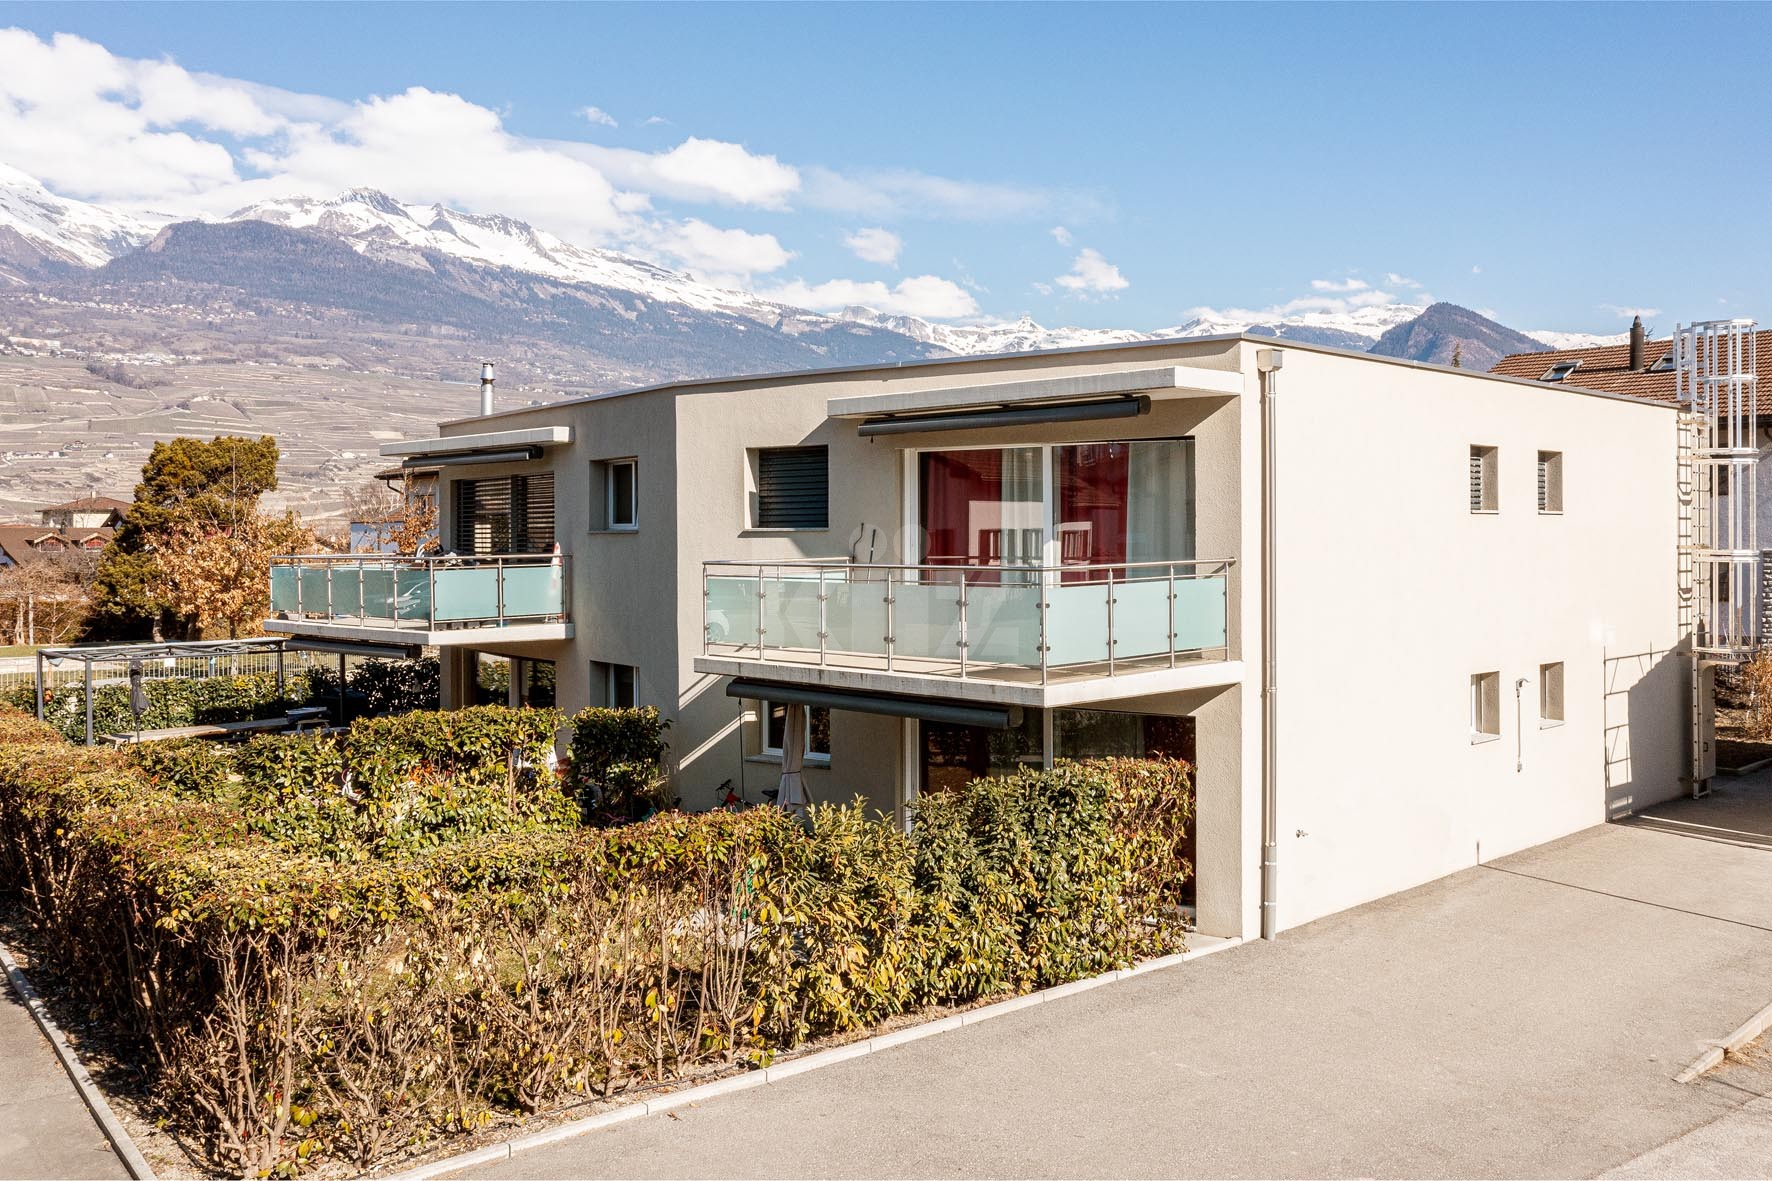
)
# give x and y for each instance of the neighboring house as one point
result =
(23, 544)
(89, 512)
(1644, 368)
(968, 566)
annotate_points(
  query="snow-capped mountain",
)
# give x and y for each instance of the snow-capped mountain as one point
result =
(1576, 340)
(378, 226)
(1356, 329)
(37, 227)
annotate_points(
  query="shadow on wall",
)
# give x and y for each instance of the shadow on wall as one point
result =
(1645, 705)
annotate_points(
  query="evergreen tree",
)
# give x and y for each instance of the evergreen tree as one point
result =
(187, 484)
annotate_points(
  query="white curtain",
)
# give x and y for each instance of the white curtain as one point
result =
(792, 796)
(1160, 501)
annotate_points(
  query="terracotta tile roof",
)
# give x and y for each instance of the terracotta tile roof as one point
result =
(91, 504)
(1607, 368)
(29, 543)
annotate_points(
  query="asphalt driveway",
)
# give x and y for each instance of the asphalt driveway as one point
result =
(1525, 1018)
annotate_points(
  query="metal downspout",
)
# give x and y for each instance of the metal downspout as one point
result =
(1268, 363)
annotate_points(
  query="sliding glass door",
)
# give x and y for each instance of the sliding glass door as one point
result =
(1082, 504)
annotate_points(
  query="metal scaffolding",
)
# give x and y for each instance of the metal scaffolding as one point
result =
(1715, 375)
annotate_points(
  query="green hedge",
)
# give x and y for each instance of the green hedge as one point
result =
(617, 767)
(338, 949)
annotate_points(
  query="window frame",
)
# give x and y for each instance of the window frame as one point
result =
(765, 710)
(1485, 500)
(612, 469)
(603, 675)
(1546, 674)
(754, 489)
(1549, 474)
(1485, 707)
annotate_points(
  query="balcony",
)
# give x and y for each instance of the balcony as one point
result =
(513, 598)
(1022, 635)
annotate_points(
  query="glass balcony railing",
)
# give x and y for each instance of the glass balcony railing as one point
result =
(421, 593)
(1023, 623)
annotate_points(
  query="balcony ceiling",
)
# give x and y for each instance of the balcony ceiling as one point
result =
(535, 436)
(1167, 381)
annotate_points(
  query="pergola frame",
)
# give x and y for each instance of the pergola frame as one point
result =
(89, 654)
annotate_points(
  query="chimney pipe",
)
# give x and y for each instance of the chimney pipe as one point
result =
(486, 380)
(1636, 343)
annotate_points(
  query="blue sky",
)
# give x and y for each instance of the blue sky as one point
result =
(1096, 165)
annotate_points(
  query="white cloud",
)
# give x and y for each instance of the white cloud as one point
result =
(598, 115)
(874, 244)
(1475, 270)
(902, 193)
(1392, 279)
(927, 296)
(655, 121)
(1061, 235)
(724, 255)
(1349, 284)
(1622, 312)
(1091, 274)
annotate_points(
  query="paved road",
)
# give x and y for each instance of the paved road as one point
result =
(1520, 1019)
(45, 1129)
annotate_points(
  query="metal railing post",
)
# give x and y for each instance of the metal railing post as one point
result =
(964, 636)
(707, 634)
(39, 684)
(362, 604)
(498, 573)
(759, 613)
(823, 620)
(1045, 631)
(430, 593)
(1172, 615)
(329, 612)
(88, 703)
(1110, 620)
(298, 581)
(891, 630)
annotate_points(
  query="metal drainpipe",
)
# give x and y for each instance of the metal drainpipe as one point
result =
(1268, 363)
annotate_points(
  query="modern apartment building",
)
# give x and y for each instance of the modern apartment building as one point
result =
(1402, 619)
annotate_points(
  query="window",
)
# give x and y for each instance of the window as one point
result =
(1485, 706)
(621, 495)
(1664, 365)
(614, 686)
(793, 488)
(1483, 464)
(1550, 694)
(1550, 481)
(507, 515)
(818, 730)
(1108, 504)
(1560, 371)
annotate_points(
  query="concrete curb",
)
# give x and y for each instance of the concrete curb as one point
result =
(797, 1066)
(1744, 1033)
(94, 1099)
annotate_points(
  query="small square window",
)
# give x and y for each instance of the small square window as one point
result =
(1550, 481)
(615, 686)
(1485, 706)
(818, 730)
(1550, 692)
(1482, 475)
(791, 488)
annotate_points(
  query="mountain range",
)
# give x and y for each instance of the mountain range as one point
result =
(363, 283)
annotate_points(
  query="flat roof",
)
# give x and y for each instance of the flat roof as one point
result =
(982, 360)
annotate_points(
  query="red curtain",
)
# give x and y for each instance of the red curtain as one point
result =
(1091, 511)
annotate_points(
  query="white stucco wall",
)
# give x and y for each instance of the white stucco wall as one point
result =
(1392, 593)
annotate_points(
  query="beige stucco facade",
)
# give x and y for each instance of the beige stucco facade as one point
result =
(1389, 594)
